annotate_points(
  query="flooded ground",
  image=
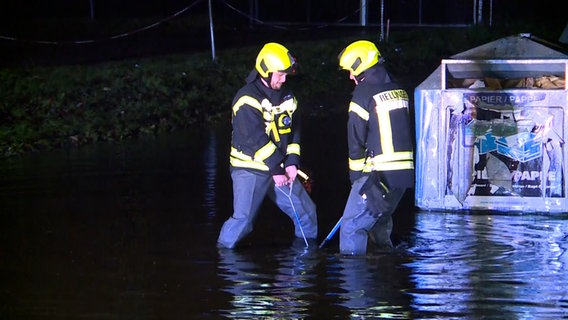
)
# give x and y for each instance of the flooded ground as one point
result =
(128, 231)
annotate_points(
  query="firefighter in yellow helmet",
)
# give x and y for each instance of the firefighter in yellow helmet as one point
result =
(380, 144)
(265, 150)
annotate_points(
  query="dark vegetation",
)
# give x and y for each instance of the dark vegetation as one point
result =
(70, 94)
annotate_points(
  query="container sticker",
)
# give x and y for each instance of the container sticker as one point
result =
(498, 146)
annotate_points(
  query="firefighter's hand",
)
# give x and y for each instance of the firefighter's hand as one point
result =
(291, 173)
(280, 180)
(376, 195)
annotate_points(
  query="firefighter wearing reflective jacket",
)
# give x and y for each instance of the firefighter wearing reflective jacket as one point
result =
(265, 150)
(379, 137)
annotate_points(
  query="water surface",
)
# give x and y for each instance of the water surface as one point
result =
(128, 231)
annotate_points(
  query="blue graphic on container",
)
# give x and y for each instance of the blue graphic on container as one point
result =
(507, 147)
(508, 165)
(523, 147)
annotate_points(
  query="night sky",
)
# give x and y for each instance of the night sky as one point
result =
(399, 11)
(33, 25)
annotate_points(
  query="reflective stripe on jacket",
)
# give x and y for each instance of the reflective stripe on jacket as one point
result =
(379, 133)
(265, 134)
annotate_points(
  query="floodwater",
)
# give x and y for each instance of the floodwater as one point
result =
(128, 231)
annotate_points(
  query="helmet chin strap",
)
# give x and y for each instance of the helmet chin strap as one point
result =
(266, 80)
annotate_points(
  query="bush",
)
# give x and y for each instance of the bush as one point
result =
(49, 107)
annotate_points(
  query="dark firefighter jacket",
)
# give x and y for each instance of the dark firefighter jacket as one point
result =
(265, 133)
(379, 134)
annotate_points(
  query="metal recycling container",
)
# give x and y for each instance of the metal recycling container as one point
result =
(491, 125)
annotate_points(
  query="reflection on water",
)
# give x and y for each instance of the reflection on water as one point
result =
(367, 288)
(455, 266)
(513, 266)
(129, 232)
(278, 286)
(210, 165)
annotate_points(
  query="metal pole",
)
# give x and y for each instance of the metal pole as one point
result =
(474, 11)
(480, 12)
(382, 20)
(92, 10)
(211, 31)
(491, 13)
(331, 233)
(363, 14)
(420, 12)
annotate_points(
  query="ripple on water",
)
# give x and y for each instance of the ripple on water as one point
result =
(490, 263)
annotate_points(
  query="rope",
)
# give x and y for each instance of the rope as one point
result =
(289, 195)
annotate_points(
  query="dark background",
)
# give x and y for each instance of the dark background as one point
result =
(67, 31)
(309, 11)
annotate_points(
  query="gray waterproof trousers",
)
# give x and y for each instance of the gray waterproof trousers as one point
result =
(358, 225)
(249, 190)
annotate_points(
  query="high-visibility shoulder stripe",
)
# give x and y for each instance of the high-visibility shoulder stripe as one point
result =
(358, 110)
(246, 100)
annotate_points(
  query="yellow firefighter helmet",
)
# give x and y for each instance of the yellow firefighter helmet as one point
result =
(274, 57)
(359, 56)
